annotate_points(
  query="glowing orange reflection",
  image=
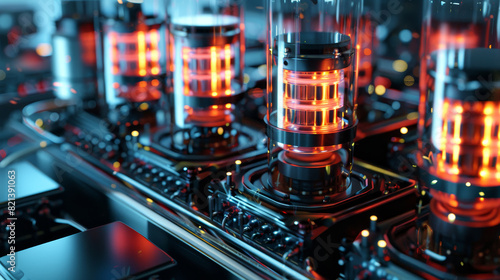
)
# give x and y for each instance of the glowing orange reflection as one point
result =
(143, 91)
(449, 36)
(480, 212)
(87, 40)
(366, 42)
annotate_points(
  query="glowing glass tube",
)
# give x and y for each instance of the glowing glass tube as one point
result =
(460, 119)
(312, 72)
(207, 48)
(134, 54)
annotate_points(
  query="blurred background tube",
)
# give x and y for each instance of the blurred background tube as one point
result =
(207, 60)
(459, 128)
(312, 83)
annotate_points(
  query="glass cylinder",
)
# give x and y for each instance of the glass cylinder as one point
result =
(312, 74)
(459, 122)
(368, 42)
(460, 111)
(207, 52)
(74, 56)
(134, 51)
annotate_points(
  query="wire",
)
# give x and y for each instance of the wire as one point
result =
(224, 222)
(70, 223)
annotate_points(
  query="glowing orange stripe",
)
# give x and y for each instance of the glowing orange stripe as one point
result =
(242, 43)
(153, 36)
(185, 59)
(114, 57)
(498, 155)
(324, 92)
(213, 69)
(311, 78)
(456, 139)
(486, 161)
(141, 51)
(358, 48)
(155, 55)
(488, 123)
(335, 96)
(315, 119)
(323, 114)
(334, 116)
(457, 126)
(456, 154)
(227, 52)
(287, 95)
(444, 132)
(335, 91)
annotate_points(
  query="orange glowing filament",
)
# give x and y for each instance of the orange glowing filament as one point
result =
(213, 69)
(141, 52)
(470, 139)
(310, 104)
(311, 100)
(154, 53)
(135, 54)
(208, 72)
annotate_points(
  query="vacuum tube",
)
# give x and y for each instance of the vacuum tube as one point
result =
(459, 131)
(74, 55)
(134, 52)
(311, 118)
(207, 45)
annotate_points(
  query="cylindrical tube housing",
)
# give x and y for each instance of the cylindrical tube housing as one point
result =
(312, 74)
(460, 116)
(207, 51)
(368, 41)
(74, 51)
(135, 52)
